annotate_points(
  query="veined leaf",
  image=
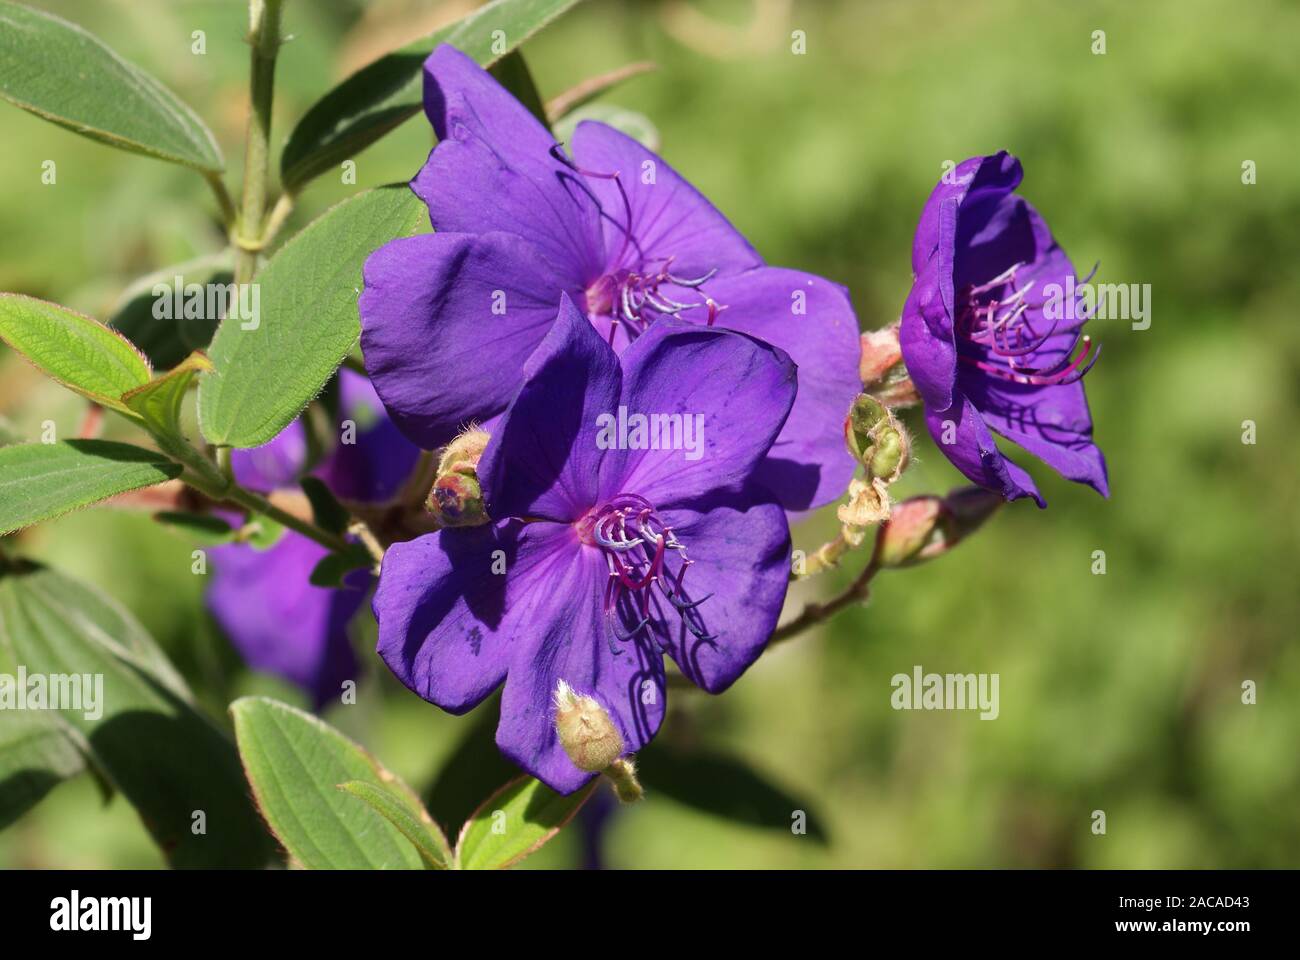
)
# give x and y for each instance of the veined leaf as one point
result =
(405, 813)
(74, 349)
(38, 751)
(168, 339)
(204, 528)
(514, 822)
(386, 93)
(266, 374)
(158, 403)
(40, 481)
(180, 773)
(295, 763)
(326, 510)
(58, 71)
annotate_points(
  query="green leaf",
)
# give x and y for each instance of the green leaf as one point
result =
(512, 73)
(158, 403)
(264, 376)
(635, 125)
(328, 513)
(260, 532)
(38, 751)
(514, 822)
(148, 739)
(295, 762)
(39, 481)
(205, 528)
(475, 769)
(386, 93)
(77, 351)
(332, 569)
(58, 71)
(407, 816)
(167, 340)
(724, 786)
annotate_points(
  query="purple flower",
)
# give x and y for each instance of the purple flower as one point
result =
(618, 555)
(276, 619)
(988, 339)
(449, 318)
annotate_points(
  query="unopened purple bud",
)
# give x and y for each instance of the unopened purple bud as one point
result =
(456, 499)
(926, 527)
(463, 453)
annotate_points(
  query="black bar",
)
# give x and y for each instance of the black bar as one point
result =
(298, 908)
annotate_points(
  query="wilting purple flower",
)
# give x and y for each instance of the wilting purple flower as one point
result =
(615, 556)
(984, 341)
(280, 622)
(449, 318)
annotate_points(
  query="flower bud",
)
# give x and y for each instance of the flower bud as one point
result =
(883, 374)
(876, 439)
(969, 507)
(463, 453)
(585, 729)
(923, 528)
(912, 528)
(456, 499)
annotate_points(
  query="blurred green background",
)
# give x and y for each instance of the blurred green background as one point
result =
(1119, 692)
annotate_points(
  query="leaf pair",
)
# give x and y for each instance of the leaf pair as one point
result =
(333, 806)
(41, 481)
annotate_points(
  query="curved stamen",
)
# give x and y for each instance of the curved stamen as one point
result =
(997, 321)
(637, 545)
(697, 282)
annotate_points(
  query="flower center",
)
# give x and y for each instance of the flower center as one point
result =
(636, 298)
(647, 564)
(995, 334)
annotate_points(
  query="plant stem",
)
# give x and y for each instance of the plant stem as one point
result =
(225, 464)
(815, 613)
(264, 39)
(210, 480)
(259, 504)
(279, 214)
(224, 200)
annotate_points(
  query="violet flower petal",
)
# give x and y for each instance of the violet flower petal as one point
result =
(452, 610)
(975, 454)
(808, 465)
(447, 322)
(279, 622)
(493, 170)
(740, 561)
(669, 216)
(543, 460)
(736, 390)
(569, 643)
